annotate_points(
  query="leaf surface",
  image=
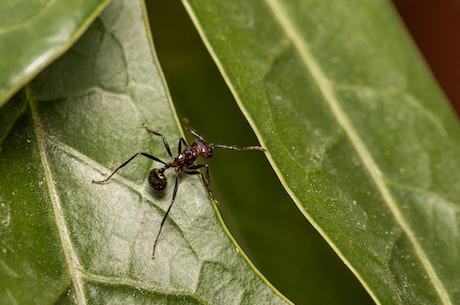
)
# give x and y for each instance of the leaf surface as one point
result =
(66, 240)
(357, 131)
(34, 33)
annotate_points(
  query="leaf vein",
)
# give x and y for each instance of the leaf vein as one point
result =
(141, 189)
(138, 285)
(327, 91)
(64, 235)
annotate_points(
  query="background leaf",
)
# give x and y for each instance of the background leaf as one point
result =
(66, 240)
(34, 33)
(357, 130)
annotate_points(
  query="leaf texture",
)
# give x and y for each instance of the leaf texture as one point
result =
(357, 131)
(34, 33)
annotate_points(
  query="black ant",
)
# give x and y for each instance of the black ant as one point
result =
(183, 162)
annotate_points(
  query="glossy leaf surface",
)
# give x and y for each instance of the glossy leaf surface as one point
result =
(66, 240)
(357, 130)
(34, 33)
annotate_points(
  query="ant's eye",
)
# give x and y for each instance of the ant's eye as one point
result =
(207, 152)
(157, 179)
(205, 149)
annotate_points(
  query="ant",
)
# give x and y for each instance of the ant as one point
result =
(182, 163)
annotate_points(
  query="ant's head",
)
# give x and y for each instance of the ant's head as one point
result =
(204, 148)
(157, 179)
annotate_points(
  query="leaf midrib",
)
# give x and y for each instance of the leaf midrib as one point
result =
(327, 91)
(64, 235)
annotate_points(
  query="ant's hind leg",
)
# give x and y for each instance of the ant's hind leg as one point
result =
(173, 198)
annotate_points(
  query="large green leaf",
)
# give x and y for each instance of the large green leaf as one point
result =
(66, 240)
(34, 33)
(357, 131)
(355, 127)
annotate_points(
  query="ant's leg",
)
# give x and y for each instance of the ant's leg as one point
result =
(192, 131)
(179, 146)
(196, 134)
(239, 148)
(173, 198)
(165, 142)
(205, 178)
(125, 163)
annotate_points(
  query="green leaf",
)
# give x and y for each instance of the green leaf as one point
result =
(34, 33)
(358, 132)
(66, 240)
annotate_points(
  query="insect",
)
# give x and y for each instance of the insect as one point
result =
(183, 162)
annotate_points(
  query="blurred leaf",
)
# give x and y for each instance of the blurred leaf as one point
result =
(357, 131)
(66, 240)
(34, 33)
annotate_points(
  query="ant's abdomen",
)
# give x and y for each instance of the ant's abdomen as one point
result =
(157, 179)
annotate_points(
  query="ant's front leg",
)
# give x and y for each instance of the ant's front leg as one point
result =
(179, 146)
(192, 131)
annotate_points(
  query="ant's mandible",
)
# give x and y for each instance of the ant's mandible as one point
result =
(183, 162)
